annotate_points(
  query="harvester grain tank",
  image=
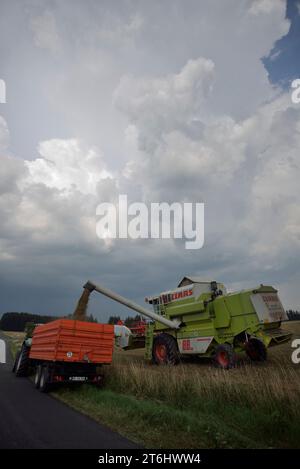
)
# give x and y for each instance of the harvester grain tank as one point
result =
(200, 318)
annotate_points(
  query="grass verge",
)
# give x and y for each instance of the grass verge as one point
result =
(154, 424)
(178, 408)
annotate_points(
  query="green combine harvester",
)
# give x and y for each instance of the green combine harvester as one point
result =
(201, 319)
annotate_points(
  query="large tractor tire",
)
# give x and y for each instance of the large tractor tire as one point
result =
(165, 350)
(224, 356)
(256, 350)
(21, 365)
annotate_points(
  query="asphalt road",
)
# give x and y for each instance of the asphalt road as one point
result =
(31, 419)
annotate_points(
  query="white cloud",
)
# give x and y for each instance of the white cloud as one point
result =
(119, 30)
(265, 6)
(45, 32)
(160, 105)
(275, 198)
(65, 165)
(193, 117)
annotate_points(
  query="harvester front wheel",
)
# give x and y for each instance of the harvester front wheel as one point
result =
(256, 350)
(225, 356)
(165, 350)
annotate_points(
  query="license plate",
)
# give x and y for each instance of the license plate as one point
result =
(78, 378)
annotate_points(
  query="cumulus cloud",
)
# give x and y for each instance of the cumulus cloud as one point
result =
(162, 104)
(45, 32)
(162, 111)
(274, 194)
(265, 6)
(116, 30)
(66, 166)
(52, 198)
(176, 138)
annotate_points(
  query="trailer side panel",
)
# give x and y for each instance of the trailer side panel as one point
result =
(66, 340)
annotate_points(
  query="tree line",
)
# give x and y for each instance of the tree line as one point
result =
(17, 321)
(129, 321)
(293, 315)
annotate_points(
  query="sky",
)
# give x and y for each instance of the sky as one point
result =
(163, 101)
(283, 62)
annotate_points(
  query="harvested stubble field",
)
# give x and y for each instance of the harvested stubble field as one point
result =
(194, 405)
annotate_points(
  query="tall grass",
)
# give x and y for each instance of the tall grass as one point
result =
(260, 401)
(189, 386)
(197, 405)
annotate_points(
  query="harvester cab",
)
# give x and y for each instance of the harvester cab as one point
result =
(188, 290)
(200, 318)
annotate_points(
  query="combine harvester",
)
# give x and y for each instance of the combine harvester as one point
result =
(202, 319)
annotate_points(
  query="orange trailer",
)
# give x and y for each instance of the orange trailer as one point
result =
(68, 340)
(66, 350)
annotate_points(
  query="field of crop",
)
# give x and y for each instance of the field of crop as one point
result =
(196, 405)
(192, 405)
(15, 340)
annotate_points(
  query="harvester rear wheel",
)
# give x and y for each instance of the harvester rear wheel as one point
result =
(22, 362)
(225, 356)
(165, 350)
(256, 350)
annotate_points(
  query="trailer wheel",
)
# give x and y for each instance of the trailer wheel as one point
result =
(37, 376)
(165, 350)
(44, 379)
(22, 362)
(256, 350)
(225, 356)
